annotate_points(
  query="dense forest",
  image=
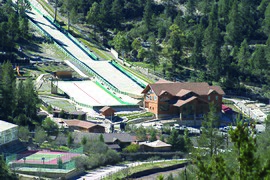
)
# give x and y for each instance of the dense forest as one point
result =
(219, 41)
(18, 100)
(13, 24)
(223, 42)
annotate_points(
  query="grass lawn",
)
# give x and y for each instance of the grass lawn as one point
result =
(127, 172)
(131, 116)
(62, 104)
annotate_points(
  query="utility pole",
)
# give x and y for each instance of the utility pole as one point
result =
(68, 20)
(55, 10)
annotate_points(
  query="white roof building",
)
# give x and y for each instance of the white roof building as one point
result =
(8, 132)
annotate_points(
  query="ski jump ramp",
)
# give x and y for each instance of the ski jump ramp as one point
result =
(87, 93)
(112, 75)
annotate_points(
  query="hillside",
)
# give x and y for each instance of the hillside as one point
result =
(223, 42)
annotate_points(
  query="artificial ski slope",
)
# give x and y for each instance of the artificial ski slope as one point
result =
(103, 68)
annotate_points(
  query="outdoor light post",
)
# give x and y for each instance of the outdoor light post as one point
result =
(186, 173)
(43, 159)
(24, 158)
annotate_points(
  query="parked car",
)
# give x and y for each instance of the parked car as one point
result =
(159, 126)
(176, 126)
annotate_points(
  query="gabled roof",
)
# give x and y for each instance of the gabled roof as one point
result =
(174, 88)
(78, 123)
(106, 108)
(180, 102)
(156, 144)
(163, 92)
(182, 92)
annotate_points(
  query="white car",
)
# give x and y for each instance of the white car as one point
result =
(159, 126)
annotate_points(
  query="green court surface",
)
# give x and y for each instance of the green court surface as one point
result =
(47, 157)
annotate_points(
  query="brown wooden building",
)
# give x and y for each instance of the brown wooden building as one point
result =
(106, 111)
(63, 74)
(187, 101)
(84, 126)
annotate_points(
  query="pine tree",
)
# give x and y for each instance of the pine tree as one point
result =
(243, 57)
(8, 92)
(4, 170)
(31, 99)
(234, 30)
(117, 11)
(147, 15)
(266, 21)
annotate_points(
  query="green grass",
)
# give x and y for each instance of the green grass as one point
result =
(48, 8)
(132, 116)
(62, 104)
(127, 172)
(47, 157)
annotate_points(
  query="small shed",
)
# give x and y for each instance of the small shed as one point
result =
(63, 74)
(156, 146)
(107, 111)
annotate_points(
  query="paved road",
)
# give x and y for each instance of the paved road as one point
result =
(103, 68)
(100, 173)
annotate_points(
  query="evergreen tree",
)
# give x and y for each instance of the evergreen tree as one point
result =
(117, 11)
(266, 21)
(70, 140)
(93, 15)
(234, 30)
(8, 90)
(191, 7)
(4, 171)
(210, 140)
(243, 57)
(105, 15)
(147, 15)
(197, 60)
(224, 7)
(31, 99)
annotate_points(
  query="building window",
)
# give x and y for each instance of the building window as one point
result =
(209, 98)
(155, 98)
(150, 97)
(216, 97)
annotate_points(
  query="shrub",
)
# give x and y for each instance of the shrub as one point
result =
(132, 148)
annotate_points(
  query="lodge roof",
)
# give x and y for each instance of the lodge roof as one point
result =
(181, 89)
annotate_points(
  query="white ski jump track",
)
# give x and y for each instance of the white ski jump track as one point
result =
(87, 92)
(103, 68)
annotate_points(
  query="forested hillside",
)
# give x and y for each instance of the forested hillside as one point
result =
(13, 24)
(220, 41)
